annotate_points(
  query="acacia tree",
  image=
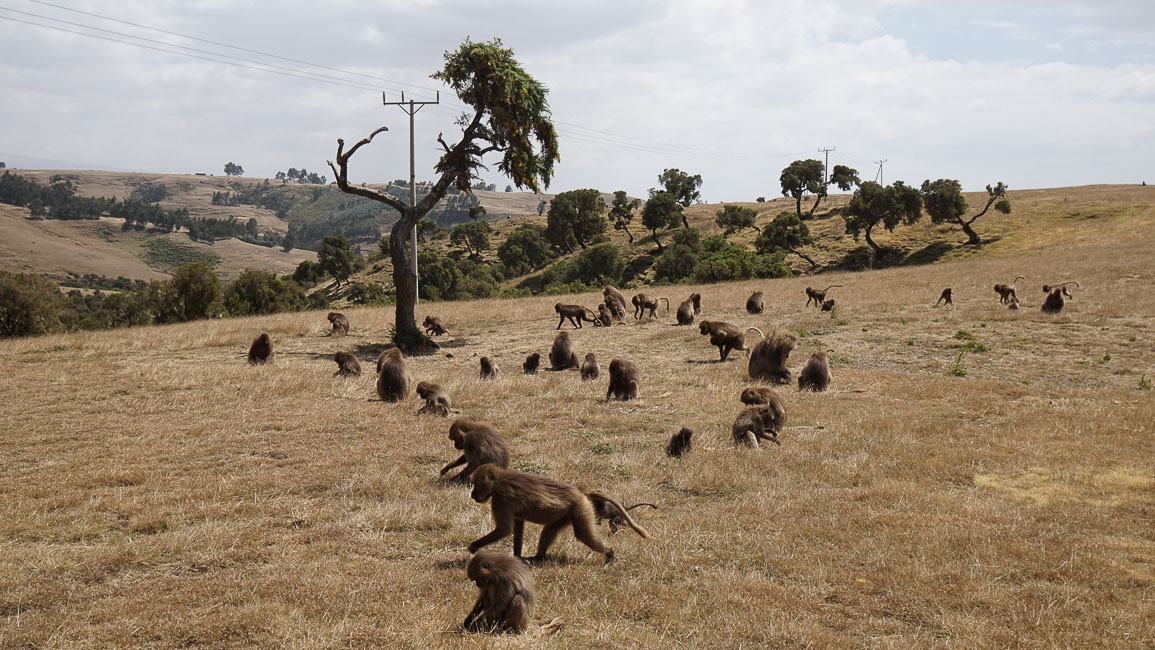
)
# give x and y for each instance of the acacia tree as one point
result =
(661, 211)
(785, 232)
(944, 203)
(873, 204)
(803, 177)
(622, 212)
(683, 186)
(510, 114)
(734, 218)
(576, 212)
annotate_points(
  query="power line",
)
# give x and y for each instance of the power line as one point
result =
(878, 176)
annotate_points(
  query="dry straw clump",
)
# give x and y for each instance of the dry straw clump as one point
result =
(160, 491)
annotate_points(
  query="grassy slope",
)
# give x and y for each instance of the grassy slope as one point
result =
(159, 491)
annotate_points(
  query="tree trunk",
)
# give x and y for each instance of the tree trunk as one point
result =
(974, 236)
(877, 250)
(798, 205)
(813, 264)
(407, 335)
(655, 231)
(685, 224)
(817, 200)
(628, 234)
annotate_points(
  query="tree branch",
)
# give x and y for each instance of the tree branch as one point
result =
(342, 174)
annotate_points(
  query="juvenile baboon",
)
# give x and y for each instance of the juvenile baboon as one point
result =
(1066, 294)
(347, 364)
(607, 510)
(479, 444)
(434, 326)
(562, 355)
(261, 350)
(590, 368)
(644, 302)
(725, 336)
(505, 593)
(488, 368)
(1007, 291)
(615, 301)
(623, 380)
(575, 314)
(1014, 303)
(944, 296)
(816, 295)
(393, 377)
(696, 298)
(605, 318)
(815, 375)
(685, 313)
(531, 363)
(754, 304)
(339, 322)
(758, 395)
(517, 497)
(1054, 301)
(436, 401)
(828, 304)
(768, 359)
(680, 443)
(761, 422)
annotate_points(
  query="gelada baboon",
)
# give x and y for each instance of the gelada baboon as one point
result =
(680, 443)
(761, 422)
(505, 593)
(815, 375)
(828, 304)
(436, 400)
(615, 301)
(644, 302)
(347, 364)
(754, 304)
(1013, 304)
(562, 355)
(1007, 291)
(339, 322)
(758, 395)
(532, 361)
(393, 377)
(575, 313)
(605, 318)
(944, 296)
(768, 359)
(685, 313)
(816, 295)
(434, 326)
(479, 444)
(696, 298)
(1066, 294)
(725, 336)
(1054, 301)
(590, 368)
(261, 350)
(517, 497)
(488, 368)
(607, 510)
(623, 380)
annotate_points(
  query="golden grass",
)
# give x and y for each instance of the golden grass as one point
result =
(158, 491)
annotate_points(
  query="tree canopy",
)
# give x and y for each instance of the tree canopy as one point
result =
(803, 177)
(945, 203)
(733, 218)
(786, 232)
(661, 211)
(234, 170)
(336, 258)
(682, 186)
(473, 236)
(577, 213)
(622, 212)
(875, 204)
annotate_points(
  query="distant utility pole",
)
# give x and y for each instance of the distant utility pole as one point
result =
(826, 166)
(878, 176)
(411, 107)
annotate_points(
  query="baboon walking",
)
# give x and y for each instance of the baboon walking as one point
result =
(818, 295)
(1007, 291)
(945, 295)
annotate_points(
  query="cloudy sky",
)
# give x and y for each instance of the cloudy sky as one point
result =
(1036, 93)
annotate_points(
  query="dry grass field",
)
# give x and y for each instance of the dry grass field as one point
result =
(157, 491)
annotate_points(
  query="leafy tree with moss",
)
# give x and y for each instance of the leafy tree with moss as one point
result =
(29, 305)
(734, 218)
(473, 236)
(622, 212)
(525, 249)
(661, 211)
(578, 212)
(336, 258)
(874, 204)
(308, 273)
(598, 265)
(192, 293)
(260, 292)
(785, 232)
(683, 186)
(944, 202)
(803, 177)
(509, 117)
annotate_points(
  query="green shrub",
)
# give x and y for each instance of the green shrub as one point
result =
(29, 305)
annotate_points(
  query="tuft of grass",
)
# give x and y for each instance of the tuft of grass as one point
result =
(1105, 359)
(971, 346)
(957, 368)
(1144, 383)
(962, 335)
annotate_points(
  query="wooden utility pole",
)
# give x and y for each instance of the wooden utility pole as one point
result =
(411, 107)
(879, 174)
(826, 165)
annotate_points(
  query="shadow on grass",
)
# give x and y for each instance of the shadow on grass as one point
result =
(928, 254)
(863, 258)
